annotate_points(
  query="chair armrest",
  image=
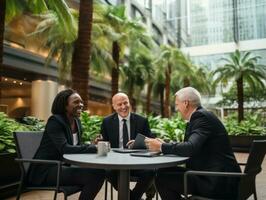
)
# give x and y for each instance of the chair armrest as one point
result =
(38, 161)
(207, 173)
(55, 162)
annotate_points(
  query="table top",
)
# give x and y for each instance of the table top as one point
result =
(115, 160)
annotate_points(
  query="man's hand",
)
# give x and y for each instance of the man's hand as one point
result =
(153, 144)
(97, 139)
(130, 144)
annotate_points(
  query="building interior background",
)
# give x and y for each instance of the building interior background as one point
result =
(206, 30)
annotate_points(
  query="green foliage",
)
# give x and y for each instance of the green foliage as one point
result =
(168, 129)
(33, 123)
(91, 126)
(252, 125)
(251, 95)
(8, 126)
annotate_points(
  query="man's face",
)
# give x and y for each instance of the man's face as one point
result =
(182, 107)
(74, 106)
(121, 105)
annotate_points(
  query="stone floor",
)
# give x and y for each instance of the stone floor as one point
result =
(241, 157)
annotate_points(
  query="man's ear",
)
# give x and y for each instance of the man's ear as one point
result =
(187, 103)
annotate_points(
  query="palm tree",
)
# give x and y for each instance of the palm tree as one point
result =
(159, 86)
(140, 58)
(170, 60)
(116, 17)
(82, 50)
(241, 67)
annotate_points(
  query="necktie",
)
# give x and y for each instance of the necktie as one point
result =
(125, 133)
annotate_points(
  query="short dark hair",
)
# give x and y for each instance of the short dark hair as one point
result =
(60, 101)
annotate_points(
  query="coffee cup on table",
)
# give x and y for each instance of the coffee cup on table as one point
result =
(103, 148)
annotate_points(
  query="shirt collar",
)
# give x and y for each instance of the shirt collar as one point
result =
(121, 118)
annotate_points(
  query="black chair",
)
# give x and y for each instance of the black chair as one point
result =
(132, 179)
(27, 144)
(247, 183)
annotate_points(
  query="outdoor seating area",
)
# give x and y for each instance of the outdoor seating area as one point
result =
(241, 157)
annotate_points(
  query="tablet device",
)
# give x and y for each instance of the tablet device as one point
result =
(146, 154)
(139, 142)
(119, 150)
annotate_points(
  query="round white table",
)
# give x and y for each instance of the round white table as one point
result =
(123, 162)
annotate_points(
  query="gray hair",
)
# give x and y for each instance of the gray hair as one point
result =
(189, 94)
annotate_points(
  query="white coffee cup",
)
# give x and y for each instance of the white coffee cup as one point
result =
(103, 148)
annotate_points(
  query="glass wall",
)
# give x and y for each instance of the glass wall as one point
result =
(212, 21)
(252, 19)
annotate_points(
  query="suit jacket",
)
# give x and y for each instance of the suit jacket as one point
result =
(110, 128)
(57, 140)
(208, 146)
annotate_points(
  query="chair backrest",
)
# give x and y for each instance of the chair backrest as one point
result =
(27, 144)
(253, 167)
(256, 156)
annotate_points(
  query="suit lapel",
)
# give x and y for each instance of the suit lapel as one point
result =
(115, 127)
(65, 123)
(132, 126)
(79, 130)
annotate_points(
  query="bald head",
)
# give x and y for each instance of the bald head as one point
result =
(118, 96)
(121, 105)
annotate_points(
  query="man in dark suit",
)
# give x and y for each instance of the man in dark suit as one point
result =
(207, 144)
(120, 129)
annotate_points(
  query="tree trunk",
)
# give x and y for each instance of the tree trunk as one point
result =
(130, 96)
(240, 98)
(148, 98)
(115, 70)
(81, 55)
(2, 30)
(186, 82)
(161, 91)
(167, 92)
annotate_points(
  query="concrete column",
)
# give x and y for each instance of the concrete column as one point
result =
(42, 96)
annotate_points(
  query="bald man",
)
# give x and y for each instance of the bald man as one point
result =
(206, 143)
(112, 130)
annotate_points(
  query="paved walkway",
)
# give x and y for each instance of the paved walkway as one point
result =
(241, 157)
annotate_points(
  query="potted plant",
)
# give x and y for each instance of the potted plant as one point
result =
(10, 171)
(242, 134)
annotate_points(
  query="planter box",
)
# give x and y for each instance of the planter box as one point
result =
(243, 143)
(9, 175)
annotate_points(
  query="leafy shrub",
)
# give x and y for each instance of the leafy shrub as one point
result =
(168, 129)
(252, 125)
(34, 124)
(91, 126)
(8, 126)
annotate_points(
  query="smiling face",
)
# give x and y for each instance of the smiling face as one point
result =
(74, 105)
(121, 104)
